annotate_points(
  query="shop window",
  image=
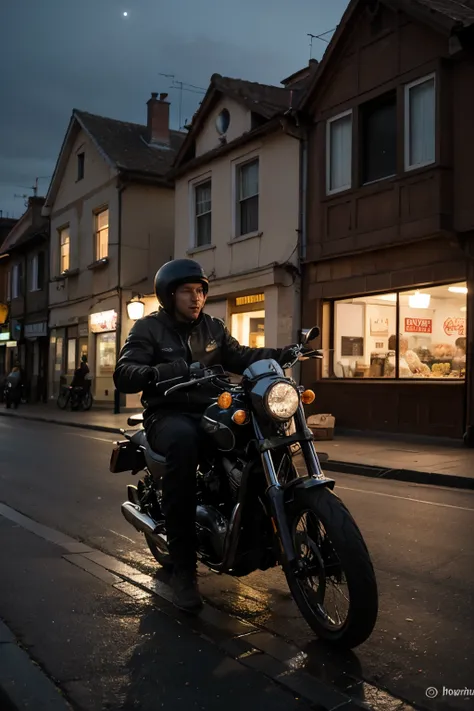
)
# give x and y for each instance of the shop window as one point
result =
(420, 123)
(339, 153)
(102, 234)
(379, 138)
(106, 355)
(431, 344)
(249, 328)
(203, 214)
(64, 249)
(247, 198)
(71, 355)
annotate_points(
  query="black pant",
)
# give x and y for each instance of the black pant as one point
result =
(179, 439)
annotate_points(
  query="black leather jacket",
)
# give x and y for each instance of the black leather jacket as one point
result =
(159, 348)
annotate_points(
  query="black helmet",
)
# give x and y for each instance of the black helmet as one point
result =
(173, 274)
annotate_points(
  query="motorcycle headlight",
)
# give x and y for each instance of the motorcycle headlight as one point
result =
(281, 401)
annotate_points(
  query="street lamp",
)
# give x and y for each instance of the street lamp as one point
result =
(135, 310)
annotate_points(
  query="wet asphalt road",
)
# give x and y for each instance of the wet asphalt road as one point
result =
(420, 539)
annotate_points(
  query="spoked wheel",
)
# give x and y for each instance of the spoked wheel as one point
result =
(87, 401)
(63, 399)
(334, 583)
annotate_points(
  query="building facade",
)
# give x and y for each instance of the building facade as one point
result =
(238, 209)
(26, 342)
(6, 225)
(388, 269)
(111, 209)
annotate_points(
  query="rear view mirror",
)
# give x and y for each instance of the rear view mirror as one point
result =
(309, 334)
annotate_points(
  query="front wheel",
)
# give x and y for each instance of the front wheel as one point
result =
(63, 399)
(87, 401)
(332, 562)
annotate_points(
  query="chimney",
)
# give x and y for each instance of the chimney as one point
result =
(158, 122)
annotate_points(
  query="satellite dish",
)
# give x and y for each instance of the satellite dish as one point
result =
(223, 121)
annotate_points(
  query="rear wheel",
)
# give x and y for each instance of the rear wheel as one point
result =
(63, 399)
(87, 401)
(160, 553)
(334, 582)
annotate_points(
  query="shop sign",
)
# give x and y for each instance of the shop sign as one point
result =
(5, 336)
(36, 330)
(11, 344)
(103, 321)
(455, 326)
(83, 330)
(252, 299)
(418, 325)
(3, 313)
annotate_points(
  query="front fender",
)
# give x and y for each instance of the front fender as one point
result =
(298, 487)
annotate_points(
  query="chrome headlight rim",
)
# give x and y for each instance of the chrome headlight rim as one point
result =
(268, 409)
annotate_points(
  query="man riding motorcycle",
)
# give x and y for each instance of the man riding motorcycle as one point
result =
(161, 347)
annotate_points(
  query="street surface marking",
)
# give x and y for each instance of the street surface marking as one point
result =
(122, 536)
(406, 498)
(98, 439)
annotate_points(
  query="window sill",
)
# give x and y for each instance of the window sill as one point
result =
(99, 264)
(64, 275)
(244, 238)
(203, 248)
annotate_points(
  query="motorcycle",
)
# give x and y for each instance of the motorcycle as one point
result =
(256, 509)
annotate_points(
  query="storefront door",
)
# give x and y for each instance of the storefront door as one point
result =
(105, 365)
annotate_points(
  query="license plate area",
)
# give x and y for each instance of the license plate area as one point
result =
(126, 457)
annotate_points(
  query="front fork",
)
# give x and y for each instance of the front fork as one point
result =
(278, 495)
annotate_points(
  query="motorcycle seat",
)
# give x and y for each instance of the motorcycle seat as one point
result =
(139, 438)
(135, 419)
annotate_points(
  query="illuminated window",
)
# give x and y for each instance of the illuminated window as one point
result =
(64, 249)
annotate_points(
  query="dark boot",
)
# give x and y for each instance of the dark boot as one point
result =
(185, 589)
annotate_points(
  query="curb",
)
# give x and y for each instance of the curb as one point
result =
(23, 684)
(414, 476)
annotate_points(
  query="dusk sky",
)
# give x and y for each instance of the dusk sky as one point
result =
(57, 55)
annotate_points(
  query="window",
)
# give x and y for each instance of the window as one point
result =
(379, 138)
(203, 214)
(106, 354)
(102, 234)
(247, 198)
(80, 165)
(17, 277)
(37, 272)
(431, 341)
(420, 123)
(64, 249)
(339, 153)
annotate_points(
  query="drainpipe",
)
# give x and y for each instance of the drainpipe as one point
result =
(118, 331)
(302, 234)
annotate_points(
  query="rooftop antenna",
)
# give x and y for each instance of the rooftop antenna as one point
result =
(182, 86)
(321, 37)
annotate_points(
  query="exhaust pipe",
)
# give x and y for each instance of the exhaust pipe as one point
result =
(141, 522)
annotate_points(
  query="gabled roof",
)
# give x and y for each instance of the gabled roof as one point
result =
(122, 145)
(447, 16)
(22, 232)
(265, 100)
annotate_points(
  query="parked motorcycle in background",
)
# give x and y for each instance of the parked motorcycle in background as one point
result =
(258, 505)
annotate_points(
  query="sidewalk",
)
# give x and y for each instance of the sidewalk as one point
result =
(420, 461)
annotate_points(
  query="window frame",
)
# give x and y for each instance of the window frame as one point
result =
(61, 230)
(400, 291)
(329, 122)
(81, 164)
(15, 282)
(97, 233)
(407, 133)
(194, 193)
(34, 273)
(380, 99)
(237, 200)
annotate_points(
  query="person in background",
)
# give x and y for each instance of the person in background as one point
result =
(79, 382)
(13, 393)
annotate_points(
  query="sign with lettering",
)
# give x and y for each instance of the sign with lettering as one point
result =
(455, 326)
(418, 325)
(103, 321)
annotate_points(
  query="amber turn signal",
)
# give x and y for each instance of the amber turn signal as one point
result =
(224, 401)
(308, 397)
(240, 417)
